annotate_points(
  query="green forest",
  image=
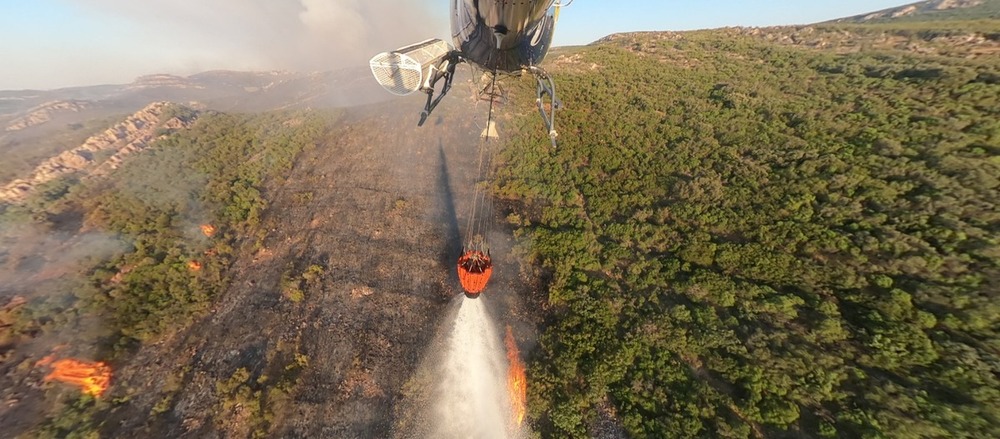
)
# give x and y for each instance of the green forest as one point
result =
(748, 238)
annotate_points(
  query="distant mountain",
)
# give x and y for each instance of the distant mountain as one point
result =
(36, 125)
(932, 10)
(218, 90)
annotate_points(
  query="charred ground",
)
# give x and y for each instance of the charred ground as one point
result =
(315, 301)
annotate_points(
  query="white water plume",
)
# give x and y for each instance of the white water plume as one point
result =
(472, 397)
(464, 382)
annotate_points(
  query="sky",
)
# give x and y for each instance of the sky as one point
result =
(46, 44)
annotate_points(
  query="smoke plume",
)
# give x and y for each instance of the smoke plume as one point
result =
(302, 35)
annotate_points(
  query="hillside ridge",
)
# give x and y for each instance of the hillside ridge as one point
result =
(136, 133)
(930, 9)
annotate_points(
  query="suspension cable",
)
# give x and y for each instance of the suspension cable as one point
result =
(482, 204)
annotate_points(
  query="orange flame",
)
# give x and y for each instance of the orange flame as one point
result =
(208, 230)
(194, 265)
(92, 378)
(517, 383)
(45, 361)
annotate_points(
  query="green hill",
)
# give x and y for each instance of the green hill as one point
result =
(784, 232)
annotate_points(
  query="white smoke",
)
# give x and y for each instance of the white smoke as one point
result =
(303, 35)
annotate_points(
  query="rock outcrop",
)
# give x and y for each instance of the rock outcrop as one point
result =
(136, 133)
(914, 9)
(43, 113)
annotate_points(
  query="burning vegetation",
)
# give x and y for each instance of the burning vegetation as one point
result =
(208, 230)
(92, 378)
(517, 383)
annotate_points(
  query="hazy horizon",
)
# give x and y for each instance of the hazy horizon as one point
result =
(60, 44)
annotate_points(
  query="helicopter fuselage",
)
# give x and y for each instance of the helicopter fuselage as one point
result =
(507, 36)
(502, 37)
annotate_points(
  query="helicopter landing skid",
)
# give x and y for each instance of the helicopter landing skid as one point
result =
(546, 90)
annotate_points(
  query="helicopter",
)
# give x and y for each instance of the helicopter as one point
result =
(499, 37)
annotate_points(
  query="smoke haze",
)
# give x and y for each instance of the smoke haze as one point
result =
(297, 35)
(126, 38)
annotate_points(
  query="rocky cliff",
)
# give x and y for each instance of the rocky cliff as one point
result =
(925, 8)
(43, 113)
(136, 133)
(916, 8)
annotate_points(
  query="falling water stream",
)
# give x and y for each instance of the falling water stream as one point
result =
(472, 397)
(460, 390)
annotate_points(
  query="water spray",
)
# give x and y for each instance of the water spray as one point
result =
(471, 388)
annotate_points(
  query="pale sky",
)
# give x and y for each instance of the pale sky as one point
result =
(48, 44)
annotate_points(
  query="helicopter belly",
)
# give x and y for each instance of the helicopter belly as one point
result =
(501, 34)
